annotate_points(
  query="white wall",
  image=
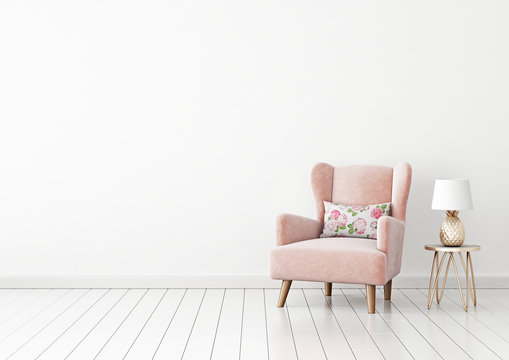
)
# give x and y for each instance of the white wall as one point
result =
(163, 137)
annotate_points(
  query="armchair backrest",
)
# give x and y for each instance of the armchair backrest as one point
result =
(362, 185)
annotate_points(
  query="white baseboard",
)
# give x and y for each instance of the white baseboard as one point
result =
(162, 281)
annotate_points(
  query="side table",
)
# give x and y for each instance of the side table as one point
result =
(436, 268)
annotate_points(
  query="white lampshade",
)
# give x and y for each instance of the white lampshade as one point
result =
(452, 194)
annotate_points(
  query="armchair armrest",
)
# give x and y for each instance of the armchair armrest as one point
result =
(390, 236)
(293, 228)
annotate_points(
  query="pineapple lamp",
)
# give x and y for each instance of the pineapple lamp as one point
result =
(452, 195)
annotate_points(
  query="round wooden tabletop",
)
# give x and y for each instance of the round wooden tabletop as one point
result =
(462, 248)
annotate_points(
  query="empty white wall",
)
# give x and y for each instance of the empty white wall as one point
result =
(163, 137)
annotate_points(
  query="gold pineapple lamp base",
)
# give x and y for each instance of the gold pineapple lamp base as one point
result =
(452, 232)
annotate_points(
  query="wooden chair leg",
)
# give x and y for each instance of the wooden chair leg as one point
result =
(328, 289)
(370, 298)
(285, 287)
(388, 290)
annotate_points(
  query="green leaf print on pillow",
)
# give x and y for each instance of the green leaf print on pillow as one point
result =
(351, 212)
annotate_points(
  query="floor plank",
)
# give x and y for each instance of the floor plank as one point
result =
(279, 332)
(253, 342)
(433, 334)
(201, 341)
(73, 336)
(21, 303)
(404, 330)
(24, 332)
(334, 342)
(307, 340)
(118, 346)
(23, 317)
(42, 340)
(461, 336)
(501, 296)
(385, 339)
(147, 342)
(484, 334)
(177, 334)
(358, 337)
(8, 296)
(495, 303)
(227, 343)
(102, 333)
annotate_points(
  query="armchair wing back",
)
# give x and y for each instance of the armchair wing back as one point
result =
(301, 255)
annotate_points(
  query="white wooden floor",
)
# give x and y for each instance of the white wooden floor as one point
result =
(246, 324)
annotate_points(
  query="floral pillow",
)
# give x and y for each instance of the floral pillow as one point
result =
(352, 220)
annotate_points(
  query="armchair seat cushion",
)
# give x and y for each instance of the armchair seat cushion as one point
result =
(339, 260)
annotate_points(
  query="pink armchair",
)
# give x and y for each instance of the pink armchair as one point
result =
(301, 255)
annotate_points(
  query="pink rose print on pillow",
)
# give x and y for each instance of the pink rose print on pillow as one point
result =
(334, 214)
(331, 225)
(373, 225)
(376, 213)
(357, 207)
(342, 220)
(360, 225)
